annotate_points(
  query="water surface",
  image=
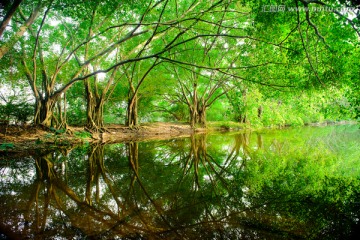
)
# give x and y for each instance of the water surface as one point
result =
(301, 183)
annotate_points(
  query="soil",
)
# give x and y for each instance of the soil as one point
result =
(25, 140)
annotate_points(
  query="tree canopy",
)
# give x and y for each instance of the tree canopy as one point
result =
(288, 62)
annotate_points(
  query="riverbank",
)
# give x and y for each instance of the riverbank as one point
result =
(29, 139)
(24, 140)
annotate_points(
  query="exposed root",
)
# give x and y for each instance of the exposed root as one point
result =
(66, 128)
(134, 127)
(95, 129)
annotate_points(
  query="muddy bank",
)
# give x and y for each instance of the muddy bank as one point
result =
(25, 140)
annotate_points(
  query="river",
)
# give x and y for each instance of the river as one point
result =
(296, 183)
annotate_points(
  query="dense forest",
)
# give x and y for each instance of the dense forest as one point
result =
(180, 119)
(265, 63)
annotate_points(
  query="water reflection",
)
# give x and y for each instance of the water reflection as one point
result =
(210, 187)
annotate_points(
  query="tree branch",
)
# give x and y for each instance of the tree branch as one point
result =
(8, 16)
(4, 49)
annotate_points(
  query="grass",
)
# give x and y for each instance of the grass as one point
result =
(82, 134)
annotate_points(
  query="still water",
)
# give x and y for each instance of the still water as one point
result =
(301, 183)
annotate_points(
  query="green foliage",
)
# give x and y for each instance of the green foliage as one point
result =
(232, 57)
(5, 146)
(82, 134)
(57, 131)
(294, 108)
(219, 111)
(38, 141)
(227, 125)
(17, 112)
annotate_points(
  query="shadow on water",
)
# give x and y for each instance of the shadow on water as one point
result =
(237, 186)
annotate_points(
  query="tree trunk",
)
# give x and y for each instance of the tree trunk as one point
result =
(61, 105)
(243, 119)
(44, 111)
(95, 115)
(197, 110)
(197, 116)
(94, 110)
(9, 15)
(132, 112)
(202, 116)
(193, 116)
(194, 110)
(260, 110)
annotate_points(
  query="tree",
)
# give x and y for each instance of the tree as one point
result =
(199, 92)
(10, 12)
(154, 38)
(202, 68)
(86, 52)
(18, 31)
(73, 60)
(135, 78)
(218, 45)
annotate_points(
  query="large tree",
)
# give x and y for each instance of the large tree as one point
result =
(104, 42)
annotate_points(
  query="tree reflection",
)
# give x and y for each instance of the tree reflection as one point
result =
(52, 198)
(203, 186)
(95, 169)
